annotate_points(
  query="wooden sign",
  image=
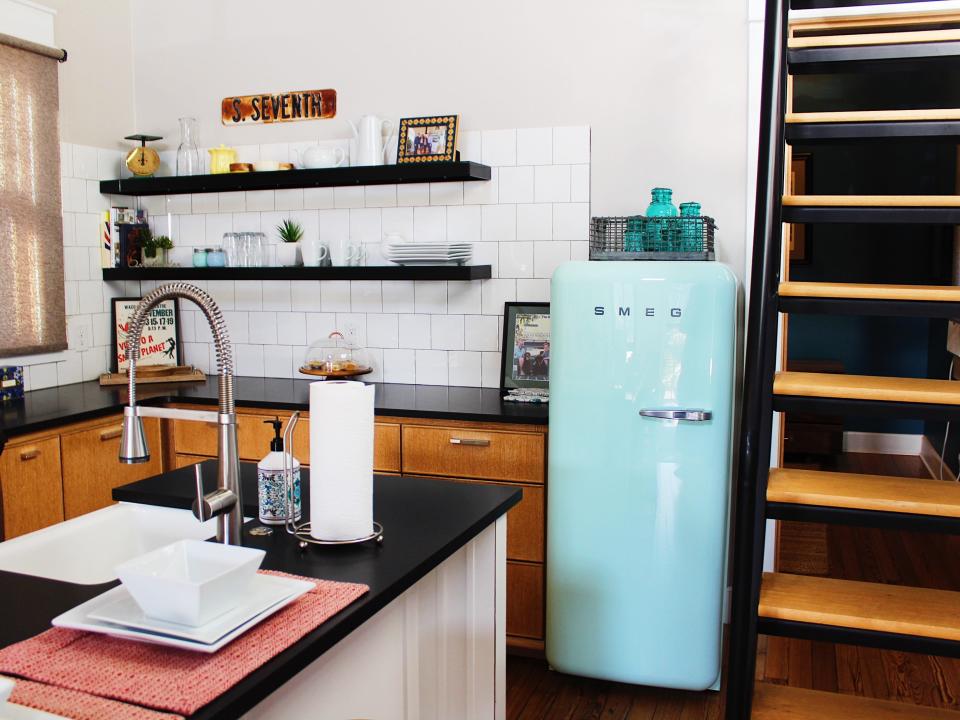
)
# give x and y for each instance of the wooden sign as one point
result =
(282, 107)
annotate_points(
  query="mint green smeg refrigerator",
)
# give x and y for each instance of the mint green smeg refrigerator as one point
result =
(639, 470)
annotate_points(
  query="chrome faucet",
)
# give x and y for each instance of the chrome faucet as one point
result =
(225, 502)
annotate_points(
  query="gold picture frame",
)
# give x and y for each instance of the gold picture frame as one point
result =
(428, 139)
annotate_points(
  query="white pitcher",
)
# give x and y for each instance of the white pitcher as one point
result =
(368, 137)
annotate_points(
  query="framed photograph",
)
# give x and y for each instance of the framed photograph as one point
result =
(160, 342)
(428, 139)
(525, 361)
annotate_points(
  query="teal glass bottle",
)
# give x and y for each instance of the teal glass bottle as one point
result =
(691, 228)
(634, 234)
(659, 235)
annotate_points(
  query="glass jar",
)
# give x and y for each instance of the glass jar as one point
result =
(691, 228)
(659, 235)
(199, 257)
(188, 154)
(216, 257)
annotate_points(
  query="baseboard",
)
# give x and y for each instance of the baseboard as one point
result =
(882, 443)
(931, 459)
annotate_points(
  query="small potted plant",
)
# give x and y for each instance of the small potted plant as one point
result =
(290, 235)
(155, 248)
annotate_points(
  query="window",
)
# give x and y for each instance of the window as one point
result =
(32, 315)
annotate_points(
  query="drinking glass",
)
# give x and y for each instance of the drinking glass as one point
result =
(231, 249)
(258, 246)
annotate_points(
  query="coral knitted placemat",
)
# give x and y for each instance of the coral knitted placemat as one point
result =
(78, 705)
(166, 678)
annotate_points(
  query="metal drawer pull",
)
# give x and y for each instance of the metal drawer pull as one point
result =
(477, 442)
(30, 454)
(689, 415)
(111, 434)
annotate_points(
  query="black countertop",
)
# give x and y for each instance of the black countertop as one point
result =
(425, 522)
(42, 409)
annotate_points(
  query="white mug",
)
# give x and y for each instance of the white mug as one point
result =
(338, 252)
(356, 254)
(313, 252)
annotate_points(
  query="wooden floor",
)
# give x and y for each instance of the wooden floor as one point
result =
(916, 559)
(927, 560)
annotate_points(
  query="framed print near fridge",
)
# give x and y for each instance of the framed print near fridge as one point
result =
(525, 359)
(160, 340)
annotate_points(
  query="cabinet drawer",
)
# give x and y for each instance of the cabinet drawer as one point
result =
(32, 490)
(91, 469)
(485, 454)
(525, 600)
(386, 447)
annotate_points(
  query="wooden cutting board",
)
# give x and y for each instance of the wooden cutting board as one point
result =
(156, 374)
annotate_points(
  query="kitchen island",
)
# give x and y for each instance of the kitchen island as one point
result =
(426, 641)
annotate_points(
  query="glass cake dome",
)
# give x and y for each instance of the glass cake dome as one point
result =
(336, 356)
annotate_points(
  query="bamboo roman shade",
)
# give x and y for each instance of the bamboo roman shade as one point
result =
(32, 314)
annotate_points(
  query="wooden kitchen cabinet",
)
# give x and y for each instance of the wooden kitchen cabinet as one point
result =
(91, 469)
(525, 616)
(32, 489)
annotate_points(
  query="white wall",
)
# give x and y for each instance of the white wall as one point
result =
(662, 83)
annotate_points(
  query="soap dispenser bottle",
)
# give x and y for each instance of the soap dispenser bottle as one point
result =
(272, 494)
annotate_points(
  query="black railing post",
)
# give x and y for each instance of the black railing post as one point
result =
(760, 365)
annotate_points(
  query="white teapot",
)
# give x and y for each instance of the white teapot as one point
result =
(320, 156)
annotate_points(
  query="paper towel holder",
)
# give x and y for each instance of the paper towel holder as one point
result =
(301, 531)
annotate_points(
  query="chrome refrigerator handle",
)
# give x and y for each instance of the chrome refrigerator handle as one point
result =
(690, 415)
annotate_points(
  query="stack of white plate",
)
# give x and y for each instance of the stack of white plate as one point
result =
(411, 253)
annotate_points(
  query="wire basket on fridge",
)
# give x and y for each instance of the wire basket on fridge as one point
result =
(637, 237)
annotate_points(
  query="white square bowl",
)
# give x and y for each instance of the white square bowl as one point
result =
(190, 582)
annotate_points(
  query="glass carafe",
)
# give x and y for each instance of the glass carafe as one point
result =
(188, 154)
(659, 233)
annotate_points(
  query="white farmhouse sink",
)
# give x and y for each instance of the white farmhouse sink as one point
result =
(86, 549)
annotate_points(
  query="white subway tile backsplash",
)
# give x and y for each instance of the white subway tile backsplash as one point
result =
(397, 220)
(383, 330)
(276, 295)
(365, 226)
(469, 146)
(179, 204)
(217, 202)
(580, 183)
(480, 332)
(319, 326)
(333, 225)
(94, 361)
(535, 222)
(259, 200)
(413, 195)
(399, 296)
(495, 293)
(215, 225)
(537, 290)
(90, 296)
(318, 198)
(223, 293)
(95, 201)
(516, 259)
(413, 331)
(464, 368)
(516, 184)
(66, 160)
(482, 192)
(376, 365)
(85, 163)
(499, 147)
(353, 326)
(74, 192)
(571, 221)
(380, 196)
(238, 325)
(487, 253)
(75, 263)
(498, 223)
(399, 366)
(365, 296)
(69, 229)
(292, 328)
(552, 183)
(548, 256)
(291, 199)
(248, 359)
(430, 296)
(535, 146)
(193, 231)
(446, 332)
(463, 297)
(348, 197)
(87, 229)
(490, 369)
(263, 328)
(429, 224)
(463, 223)
(305, 295)
(248, 295)
(450, 193)
(278, 361)
(571, 145)
(70, 370)
(580, 250)
(335, 296)
(432, 367)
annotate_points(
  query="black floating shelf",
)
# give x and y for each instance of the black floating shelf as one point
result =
(859, 306)
(871, 215)
(874, 58)
(865, 408)
(372, 272)
(844, 131)
(287, 179)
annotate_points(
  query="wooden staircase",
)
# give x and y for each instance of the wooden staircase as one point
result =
(876, 615)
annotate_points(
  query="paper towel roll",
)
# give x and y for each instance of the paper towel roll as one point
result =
(341, 460)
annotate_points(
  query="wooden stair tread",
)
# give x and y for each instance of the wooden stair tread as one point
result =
(867, 387)
(921, 612)
(854, 116)
(882, 38)
(863, 291)
(872, 200)
(781, 702)
(883, 493)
